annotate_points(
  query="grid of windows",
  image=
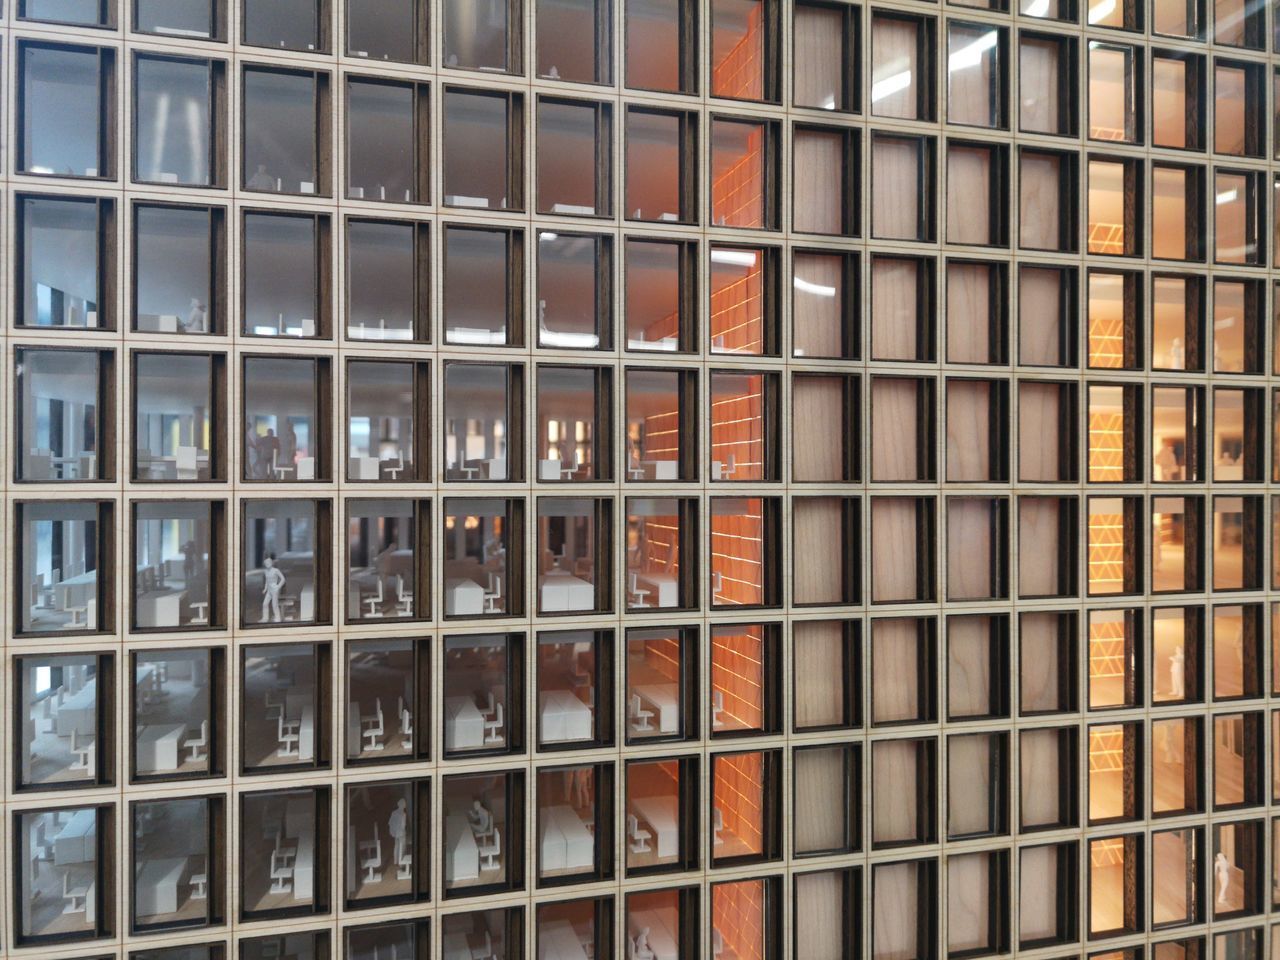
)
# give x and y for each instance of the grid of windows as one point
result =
(656, 479)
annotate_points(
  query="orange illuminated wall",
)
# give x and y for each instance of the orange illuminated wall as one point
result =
(740, 73)
(737, 194)
(737, 310)
(739, 796)
(737, 915)
(658, 779)
(661, 655)
(737, 673)
(1107, 660)
(662, 435)
(1106, 548)
(737, 428)
(657, 542)
(737, 562)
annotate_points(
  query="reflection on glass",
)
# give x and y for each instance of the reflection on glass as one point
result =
(278, 582)
(173, 123)
(382, 283)
(738, 310)
(1230, 324)
(655, 294)
(60, 244)
(571, 314)
(173, 269)
(61, 92)
(381, 568)
(59, 892)
(380, 420)
(476, 36)
(86, 12)
(171, 847)
(285, 24)
(282, 258)
(279, 696)
(381, 699)
(895, 68)
(174, 18)
(280, 418)
(59, 414)
(382, 148)
(653, 553)
(59, 713)
(477, 286)
(171, 555)
(282, 852)
(476, 421)
(476, 566)
(59, 567)
(280, 152)
(383, 29)
(1234, 230)
(173, 396)
(566, 555)
(172, 713)
(973, 75)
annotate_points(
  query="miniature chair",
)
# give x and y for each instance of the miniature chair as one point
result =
(394, 467)
(717, 707)
(639, 716)
(493, 594)
(82, 747)
(639, 837)
(187, 464)
(275, 704)
(374, 601)
(406, 724)
(200, 882)
(717, 826)
(492, 727)
(281, 871)
(490, 852)
(200, 610)
(276, 468)
(374, 727)
(635, 590)
(371, 857)
(404, 598)
(287, 735)
(196, 744)
(77, 897)
(569, 468)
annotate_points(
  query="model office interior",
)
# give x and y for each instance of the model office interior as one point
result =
(641, 479)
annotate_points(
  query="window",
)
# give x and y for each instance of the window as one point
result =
(483, 286)
(902, 57)
(744, 173)
(1237, 558)
(977, 57)
(284, 853)
(1177, 212)
(661, 674)
(903, 528)
(575, 406)
(1115, 320)
(575, 291)
(573, 555)
(394, 30)
(903, 427)
(1239, 212)
(285, 130)
(575, 40)
(581, 924)
(381, 676)
(1177, 654)
(178, 553)
(660, 439)
(904, 681)
(825, 305)
(1047, 558)
(744, 426)
(66, 720)
(574, 819)
(1048, 102)
(1237, 651)
(1237, 24)
(283, 580)
(1049, 447)
(63, 565)
(285, 688)
(977, 785)
(194, 19)
(744, 55)
(179, 269)
(486, 36)
(977, 311)
(393, 867)
(661, 182)
(660, 277)
(903, 308)
(483, 819)
(1237, 435)
(1115, 885)
(661, 45)
(977, 214)
(287, 24)
(575, 688)
(387, 416)
(178, 840)
(746, 917)
(982, 523)
(1177, 437)
(178, 727)
(575, 157)
(824, 775)
(661, 569)
(88, 13)
(1239, 103)
(1238, 759)
(1177, 323)
(483, 167)
(482, 420)
(1178, 18)
(176, 436)
(1114, 523)
(1115, 93)
(483, 693)
(178, 121)
(824, 193)
(827, 664)
(76, 879)
(387, 154)
(661, 810)
(1046, 200)
(744, 312)
(306, 946)
(63, 280)
(285, 436)
(825, 47)
(1047, 679)
(66, 97)
(1177, 100)
(409, 939)
(501, 932)
(388, 280)
(1049, 878)
(1238, 326)
(65, 414)
(745, 674)
(904, 798)
(387, 550)
(1115, 192)
(285, 263)
(903, 204)
(483, 553)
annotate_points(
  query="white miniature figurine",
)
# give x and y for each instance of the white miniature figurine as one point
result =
(640, 949)
(1177, 674)
(1177, 355)
(272, 584)
(481, 819)
(196, 317)
(1222, 873)
(396, 827)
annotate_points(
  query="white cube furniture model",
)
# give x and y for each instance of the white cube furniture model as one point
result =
(364, 468)
(662, 469)
(565, 843)
(159, 608)
(463, 724)
(77, 841)
(158, 747)
(559, 590)
(664, 588)
(156, 889)
(462, 855)
(463, 597)
(662, 814)
(563, 717)
(79, 711)
(663, 699)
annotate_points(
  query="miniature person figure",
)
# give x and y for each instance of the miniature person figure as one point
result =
(1177, 354)
(1177, 674)
(196, 317)
(252, 455)
(640, 948)
(1166, 461)
(1222, 873)
(272, 584)
(481, 819)
(396, 827)
(261, 180)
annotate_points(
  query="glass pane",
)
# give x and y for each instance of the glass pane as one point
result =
(1111, 110)
(655, 166)
(380, 679)
(173, 400)
(61, 116)
(173, 269)
(737, 426)
(653, 553)
(566, 555)
(738, 300)
(1229, 326)
(381, 570)
(475, 815)
(973, 76)
(895, 75)
(59, 567)
(280, 131)
(170, 846)
(738, 551)
(287, 24)
(1170, 420)
(382, 29)
(380, 405)
(654, 295)
(567, 668)
(60, 249)
(171, 544)
(1169, 102)
(475, 421)
(655, 684)
(278, 725)
(653, 830)
(476, 293)
(280, 418)
(475, 35)
(281, 276)
(570, 42)
(567, 416)
(174, 18)
(1230, 105)
(173, 127)
(59, 710)
(88, 12)
(819, 64)
(737, 174)
(280, 845)
(738, 667)
(1170, 237)
(654, 43)
(476, 162)
(477, 691)
(817, 305)
(476, 575)
(279, 561)
(567, 157)
(172, 709)
(58, 872)
(1108, 208)
(1233, 235)
(380, 820)
(653, 437)
(381, 141)
(569, 303)
(59, 414)
(738, 49)
(382, 291)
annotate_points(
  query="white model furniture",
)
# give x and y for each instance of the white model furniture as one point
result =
(463, 724)
(463, 597)
(196, 745)
(665, 699)
(663, 586)
(76, 842)
(561, 591)
(637, 836)
(565, 842)
(374, 728)
(364, 468)
(559, 941)
(662, 814)
(158, 746)
(639, 716)
(563, 717)
(156, 888)
(462, 856)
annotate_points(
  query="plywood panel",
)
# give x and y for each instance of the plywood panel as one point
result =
(818, 35)
(819, 916)
(817, 559)
(1039, 414)
(818, 648)
(1039, 316)
(820, 806)
(893, 931)
(968, 899)
(1038, 750)
(970, 545)
(1038, 656)
(894, 558)
(969, 430)
(1038, 573)
(970, 312)
(1038, 85)
(1038, 893)
(1038, 201)
(895, 426)
(968, 784)
(896, 186)
(968, 666)
(817, 434)
(893, 785)
(895, 303)
(895, 666)
(819, 187)
(894, 50)
(969, 195)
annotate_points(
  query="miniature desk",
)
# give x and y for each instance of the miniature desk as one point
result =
(156, 890)
(561, 591)
(463, 598)
(462, 856)
(158, 747)
(76, 842)
(565, 842)
(662, 814)
(463, 724)
(564, 717)
(665, 699)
